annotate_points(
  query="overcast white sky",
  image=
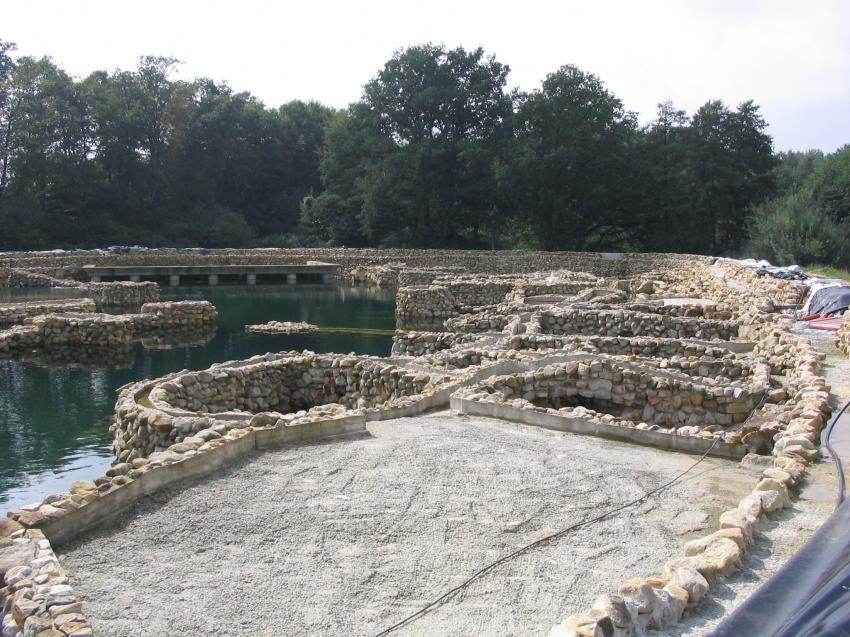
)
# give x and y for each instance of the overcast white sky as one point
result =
(791, 57)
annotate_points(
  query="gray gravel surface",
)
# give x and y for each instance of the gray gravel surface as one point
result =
(348, 536)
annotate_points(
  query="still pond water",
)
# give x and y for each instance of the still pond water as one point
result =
(54, 417)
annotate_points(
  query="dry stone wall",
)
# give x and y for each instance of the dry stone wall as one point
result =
(844, 335)
(419, 343)
(69, 265)
(17, 313)
(447, 297)
(92, 330)
(588, 321)
(626, 392)
(641, 604)
(109, 294)
(123, 293)
(288, 383)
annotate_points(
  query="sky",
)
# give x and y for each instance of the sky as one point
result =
(791, 57)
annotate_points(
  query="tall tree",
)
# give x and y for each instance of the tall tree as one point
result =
(569, 159)
(7, 69)
(434, 119)
(730, 167)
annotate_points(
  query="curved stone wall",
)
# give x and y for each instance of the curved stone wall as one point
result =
(844, 335)
(627, 392)
(180, 405)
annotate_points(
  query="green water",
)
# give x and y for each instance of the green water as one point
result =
(54, 414)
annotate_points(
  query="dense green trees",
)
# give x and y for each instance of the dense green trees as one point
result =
(434, 155)
(567, 167)
(436, 152)
(413, 161)
(135, 157)
(809, 222)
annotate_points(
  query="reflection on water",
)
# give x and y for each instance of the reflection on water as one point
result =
(15, 295)
(55, 407)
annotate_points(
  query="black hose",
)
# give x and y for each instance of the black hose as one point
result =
(826, 439)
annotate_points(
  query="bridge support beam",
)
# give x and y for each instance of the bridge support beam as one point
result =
(212, 279)
(251, 279)
(135, 278)
(290, 279)
(173, 280)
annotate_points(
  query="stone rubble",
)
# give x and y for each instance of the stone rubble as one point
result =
(282, 327)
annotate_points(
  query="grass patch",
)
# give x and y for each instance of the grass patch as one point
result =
(827, 271)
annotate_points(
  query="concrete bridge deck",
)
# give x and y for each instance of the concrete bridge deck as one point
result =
(213, 273)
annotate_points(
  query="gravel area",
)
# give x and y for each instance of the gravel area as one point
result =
(351, 535)
(777, 539)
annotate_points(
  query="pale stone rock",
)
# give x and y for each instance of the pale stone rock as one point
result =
(615, 607)
(740, 519)
(10, 627)
(691, 581)
(678, 600)
(638, 591)
(583, 625)
(719, 558)
(769, 484)
(695, 547)
(751, 505)
(778, 474)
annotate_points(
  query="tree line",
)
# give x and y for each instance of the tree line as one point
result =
(437, 152)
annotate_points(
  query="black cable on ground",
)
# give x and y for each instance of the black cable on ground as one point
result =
(481, 572)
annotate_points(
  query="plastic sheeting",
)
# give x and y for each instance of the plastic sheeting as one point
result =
(829, 300)
(815, 287)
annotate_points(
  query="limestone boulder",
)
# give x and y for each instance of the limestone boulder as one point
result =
(689, 580)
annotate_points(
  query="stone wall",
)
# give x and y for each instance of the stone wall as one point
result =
(844, 335)
(18, 278)
(36, 598)
(419, 343)
(110, 294)
(16, 313)
(445, 300)
(450, 297)
(653, 386)
(473, 261)
(123, 293)
(726, 281)
(689, 357)
(588, 321)
(85, 330)
(288, 383)
(790, 431)
(92, 330)
(627, 393)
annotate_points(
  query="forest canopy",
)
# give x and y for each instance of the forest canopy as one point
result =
(437, 152)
